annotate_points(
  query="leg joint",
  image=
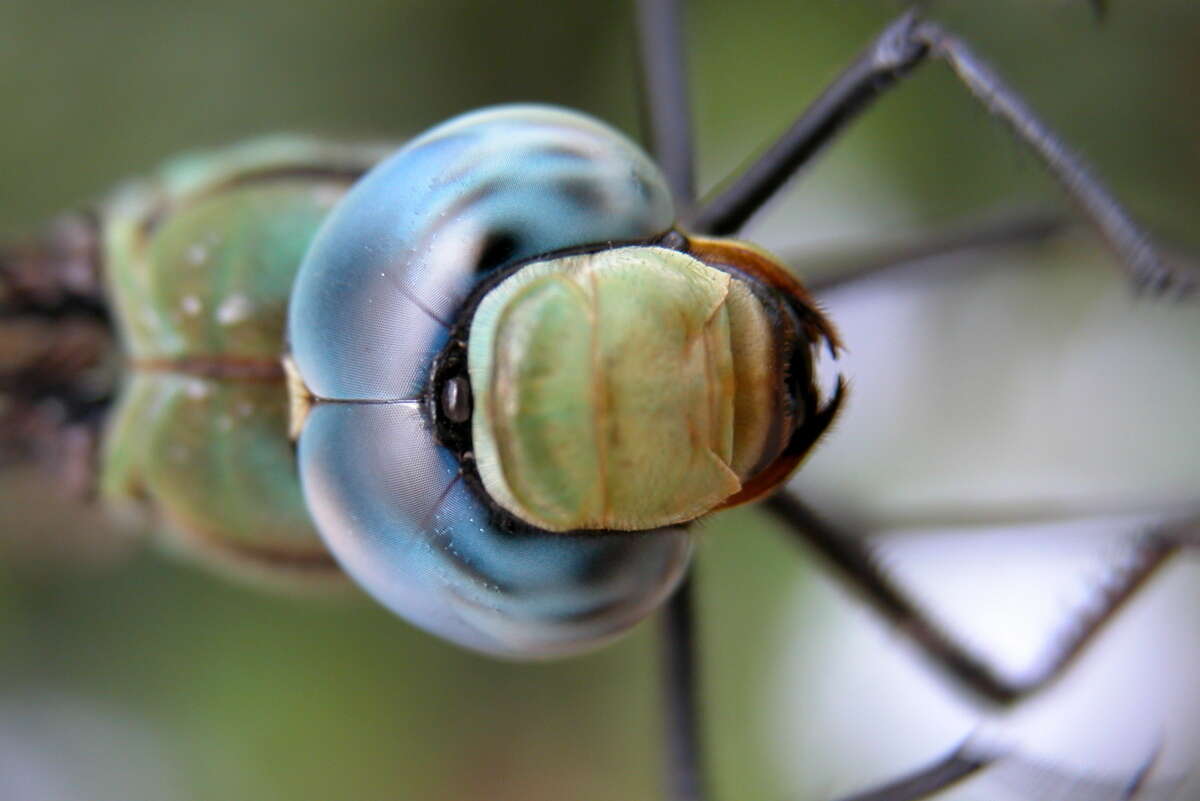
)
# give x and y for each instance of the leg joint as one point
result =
(900, 47)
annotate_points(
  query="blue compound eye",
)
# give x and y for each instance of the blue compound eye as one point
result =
(388, 273)
(374, 305)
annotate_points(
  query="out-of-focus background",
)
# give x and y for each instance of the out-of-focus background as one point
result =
(1026, 387)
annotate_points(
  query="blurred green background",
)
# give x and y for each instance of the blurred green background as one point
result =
(127, 675)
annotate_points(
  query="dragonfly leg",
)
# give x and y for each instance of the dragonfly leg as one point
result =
(1148, 269)
(847, 266)
(834, 269)
(857, 563)
(959, 765)
(666, 110)
(823, 272)
(681, 694)
(904, 45)
(1031, 777)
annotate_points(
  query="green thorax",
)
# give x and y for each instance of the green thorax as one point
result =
(199, 262)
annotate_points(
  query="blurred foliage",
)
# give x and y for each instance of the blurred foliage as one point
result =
(216, 691)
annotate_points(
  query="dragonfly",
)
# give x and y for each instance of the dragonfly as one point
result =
(813, 130)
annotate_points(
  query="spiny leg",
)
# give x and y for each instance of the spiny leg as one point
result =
(1032, 778)
(1031, 229)
(667, 119)
(904, 45)
(1037, 780)
(857, 563)
(666, 109)
(959, 765)
(850, 265)
(681, 691)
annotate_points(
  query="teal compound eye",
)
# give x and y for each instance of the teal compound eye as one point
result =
(373, 306)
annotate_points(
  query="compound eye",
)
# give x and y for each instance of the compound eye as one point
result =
(387, 274)
(394, 509)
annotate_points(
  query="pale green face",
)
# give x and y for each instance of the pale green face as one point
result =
(624, 389)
